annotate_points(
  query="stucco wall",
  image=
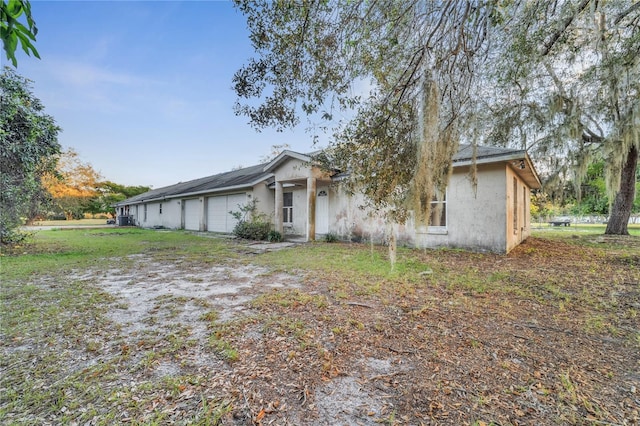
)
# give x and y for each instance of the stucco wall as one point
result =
(475, 220)
(170, 217)
(299, 211)
(518, 222)
(266, 199)
(292, 169)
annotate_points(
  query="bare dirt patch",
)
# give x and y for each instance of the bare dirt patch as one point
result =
(549, 334)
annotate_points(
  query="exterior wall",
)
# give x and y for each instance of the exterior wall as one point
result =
(294, 169)
(518, 208)
(349, 222)
(299, 226)
(171, 214)
(169, 218)
(266, 199)
(475, 221)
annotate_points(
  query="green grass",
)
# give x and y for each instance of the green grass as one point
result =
(544, 229)
(49, 317)
(62, 250)
(52, 319)
(76, 222)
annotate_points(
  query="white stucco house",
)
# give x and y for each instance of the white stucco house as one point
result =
(304, 200)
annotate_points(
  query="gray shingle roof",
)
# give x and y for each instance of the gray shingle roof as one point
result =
(244, 177)
(465, 152)
(249, 176)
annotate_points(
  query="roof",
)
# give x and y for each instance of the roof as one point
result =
(465, 153)
(249, 176)
(518, 158)
(235, 179)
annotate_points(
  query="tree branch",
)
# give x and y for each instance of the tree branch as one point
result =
(624, 14)
(563, 27)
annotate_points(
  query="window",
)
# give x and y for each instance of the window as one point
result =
(515, 205)
(438, 211)
(145, 212)
(160, 208)
(287, 207)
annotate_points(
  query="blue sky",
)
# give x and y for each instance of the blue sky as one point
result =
(142, 89)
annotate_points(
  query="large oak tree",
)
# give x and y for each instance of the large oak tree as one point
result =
(402, 83)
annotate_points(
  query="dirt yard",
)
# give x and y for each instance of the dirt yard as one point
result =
(549, 334)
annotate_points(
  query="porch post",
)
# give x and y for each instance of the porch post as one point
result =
(203, 214)
(279, 204)
(311, 209)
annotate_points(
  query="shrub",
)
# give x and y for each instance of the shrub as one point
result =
(252, 230)
(330, 238)
(274, 237)
(252, 225)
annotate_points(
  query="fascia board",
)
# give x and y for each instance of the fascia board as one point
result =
(204, 191)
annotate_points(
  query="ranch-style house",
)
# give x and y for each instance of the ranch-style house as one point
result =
(304, 200)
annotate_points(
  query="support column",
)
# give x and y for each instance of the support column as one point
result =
(203, 214)
(311, 209)
(278, 211)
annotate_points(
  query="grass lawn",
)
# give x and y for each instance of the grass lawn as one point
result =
(131, 326)
(542, 229)
(78, 222)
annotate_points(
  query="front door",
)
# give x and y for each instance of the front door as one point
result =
(322, 211)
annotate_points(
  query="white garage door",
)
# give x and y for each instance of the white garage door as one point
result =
(218, 218)
(192, 215)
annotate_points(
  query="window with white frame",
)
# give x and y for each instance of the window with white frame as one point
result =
(287, 207)
(438, 218)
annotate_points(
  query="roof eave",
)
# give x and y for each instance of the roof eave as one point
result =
(283, 157)
(195, 193)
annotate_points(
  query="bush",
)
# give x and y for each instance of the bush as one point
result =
(331, 238)
(252, 225)
(252, 230)
(274, 237)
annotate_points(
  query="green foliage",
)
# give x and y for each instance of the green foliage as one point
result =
(110, 193)
(562, 82)
(274, 237)
(251, 225)
(315, 58)
(12, 31)
(28, 146)
(252, 230)
(331, 238)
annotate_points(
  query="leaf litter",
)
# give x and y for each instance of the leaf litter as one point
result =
(236, 343)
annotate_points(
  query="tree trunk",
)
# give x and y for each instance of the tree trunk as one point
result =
(621, 208)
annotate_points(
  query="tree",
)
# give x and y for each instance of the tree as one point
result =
(418, 60)
(571, 95)
(275, 151)
(28, 149)
(73, 184)
(109, 193)
(12, 31)
(441, 72)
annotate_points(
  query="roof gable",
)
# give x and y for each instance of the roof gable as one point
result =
(249, 176)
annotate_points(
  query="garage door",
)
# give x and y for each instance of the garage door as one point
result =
(192, 215)
(218, 218)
